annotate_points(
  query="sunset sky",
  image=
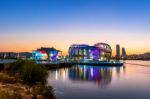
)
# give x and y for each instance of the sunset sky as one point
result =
(29, 24)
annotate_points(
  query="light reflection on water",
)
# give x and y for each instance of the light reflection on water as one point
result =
(101, 76)
(91, 82)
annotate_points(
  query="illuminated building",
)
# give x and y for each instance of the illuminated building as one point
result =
(99, 51)
(8, 55)
(105, 51)
(47, 54)
(146, 55)
(24, 55)
(14, 55)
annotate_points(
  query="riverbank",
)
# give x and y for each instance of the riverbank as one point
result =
(20, 91)
(25, 80)
(15, 91)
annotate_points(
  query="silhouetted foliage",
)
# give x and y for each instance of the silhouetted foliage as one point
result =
(17, 67)
(34, 75)
(29, 72)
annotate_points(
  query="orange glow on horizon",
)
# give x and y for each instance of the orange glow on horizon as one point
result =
(65, 50)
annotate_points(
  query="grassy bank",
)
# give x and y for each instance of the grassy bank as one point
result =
(25, 80)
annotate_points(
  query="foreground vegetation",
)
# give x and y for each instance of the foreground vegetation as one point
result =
(25, 80)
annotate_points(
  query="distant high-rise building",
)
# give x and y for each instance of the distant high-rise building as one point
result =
(8, 55)
(24, 55)
(123, 53)
(146, 55)
(117, 50)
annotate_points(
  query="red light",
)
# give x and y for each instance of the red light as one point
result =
(43, 51)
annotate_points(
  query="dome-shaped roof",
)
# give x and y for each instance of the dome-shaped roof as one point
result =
(79, 45)
(104, 46)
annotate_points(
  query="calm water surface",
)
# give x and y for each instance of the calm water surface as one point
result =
(131, 81)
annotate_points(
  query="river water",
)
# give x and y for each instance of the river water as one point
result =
(131, 81)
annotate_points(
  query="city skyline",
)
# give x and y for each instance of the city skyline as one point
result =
(29, 24)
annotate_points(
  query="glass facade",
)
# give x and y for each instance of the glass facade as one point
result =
(100, 51)
(105, 51)
(48, 54)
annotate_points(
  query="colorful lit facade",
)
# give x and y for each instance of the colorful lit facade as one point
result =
(99, 51)
(104, 50)
(46, 54)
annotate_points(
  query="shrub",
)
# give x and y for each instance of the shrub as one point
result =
(29, 72)
(16, 67)
(33, 73)
(45, 91)
(35, 76)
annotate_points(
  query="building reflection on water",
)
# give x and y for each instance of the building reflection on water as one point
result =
(102, 76)
(90, 82)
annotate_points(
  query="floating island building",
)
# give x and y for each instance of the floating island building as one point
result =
(83, 52)
(46, 54)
